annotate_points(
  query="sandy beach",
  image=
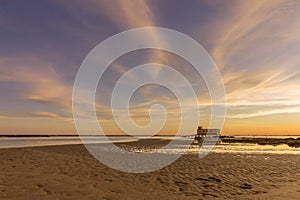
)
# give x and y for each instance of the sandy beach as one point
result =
(70, 172)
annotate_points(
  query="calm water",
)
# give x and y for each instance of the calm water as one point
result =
(255, 148)
(15, 142)
(236, 148)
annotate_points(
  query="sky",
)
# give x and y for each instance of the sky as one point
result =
(255, 45)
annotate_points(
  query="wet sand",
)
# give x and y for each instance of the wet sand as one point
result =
(70, 172)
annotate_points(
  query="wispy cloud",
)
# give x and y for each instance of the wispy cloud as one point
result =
(257, 51)
(128, 13)
(36, 80)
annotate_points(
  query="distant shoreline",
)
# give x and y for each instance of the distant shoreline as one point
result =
(82, 135)
(291, 141)
(190, 135)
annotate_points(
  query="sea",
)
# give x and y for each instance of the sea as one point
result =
(238, 148)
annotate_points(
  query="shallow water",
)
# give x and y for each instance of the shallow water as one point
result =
(255, 148)
(17, 142)
(232, 148)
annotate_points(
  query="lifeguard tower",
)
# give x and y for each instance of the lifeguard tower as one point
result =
(202, 133)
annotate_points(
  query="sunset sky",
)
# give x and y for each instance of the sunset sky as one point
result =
(255, 45)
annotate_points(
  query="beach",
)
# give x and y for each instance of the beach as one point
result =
(70, 172)
(150, 100)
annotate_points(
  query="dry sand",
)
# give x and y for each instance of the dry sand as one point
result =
(70, 172)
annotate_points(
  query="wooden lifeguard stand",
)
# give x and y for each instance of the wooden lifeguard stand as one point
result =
(202, 133)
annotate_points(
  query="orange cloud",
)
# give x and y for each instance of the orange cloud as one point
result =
(38, 80)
